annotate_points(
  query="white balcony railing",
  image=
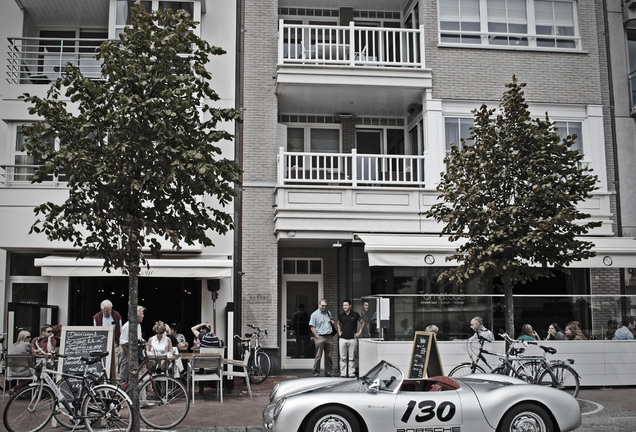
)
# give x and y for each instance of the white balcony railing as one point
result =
(21, 175)
(350, 169)
(43, 60)
(350, 45)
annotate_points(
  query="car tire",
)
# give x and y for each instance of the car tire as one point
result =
(526, 417)
(333, 418)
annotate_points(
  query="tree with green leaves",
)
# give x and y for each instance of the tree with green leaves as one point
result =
(511, 199)
(138, 151)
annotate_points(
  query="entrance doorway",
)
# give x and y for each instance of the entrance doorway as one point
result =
(297, 341)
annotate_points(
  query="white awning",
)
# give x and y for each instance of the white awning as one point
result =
(176, 268)
(432, 250)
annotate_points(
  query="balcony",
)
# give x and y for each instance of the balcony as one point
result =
(43, 60)
(350, 68)
(21, 175)
(350, 169)
(350, 46)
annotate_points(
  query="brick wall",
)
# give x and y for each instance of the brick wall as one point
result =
(259, 249)
(481, 74)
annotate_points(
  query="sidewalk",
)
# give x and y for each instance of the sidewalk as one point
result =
(239, 413)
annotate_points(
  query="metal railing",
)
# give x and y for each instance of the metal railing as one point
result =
(21, 175)
(43, 60)
(350, 169)
(350, 45)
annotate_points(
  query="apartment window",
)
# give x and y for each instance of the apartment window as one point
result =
(631, 51)
(123, 15)
(567, 128)
(456, 129)
(507, 18)
(554, 19)
(25, 165)
(314, 140)
(536, 24)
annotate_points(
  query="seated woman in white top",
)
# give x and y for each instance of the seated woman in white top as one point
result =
(159, 343)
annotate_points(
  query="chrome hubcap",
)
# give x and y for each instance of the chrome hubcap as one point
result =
(527, 422)
(333, 424)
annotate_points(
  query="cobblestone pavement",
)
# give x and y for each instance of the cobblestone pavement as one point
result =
(604, 409)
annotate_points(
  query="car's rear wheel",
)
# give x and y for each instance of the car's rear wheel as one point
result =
(526, 417)
(332, 419)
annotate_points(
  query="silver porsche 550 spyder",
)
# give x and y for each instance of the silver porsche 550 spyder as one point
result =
(384, 401)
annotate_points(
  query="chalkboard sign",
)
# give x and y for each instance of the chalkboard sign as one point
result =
(425, 358)
(78, 342)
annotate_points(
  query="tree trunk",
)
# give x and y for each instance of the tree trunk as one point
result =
(133, 356)
(509, 314)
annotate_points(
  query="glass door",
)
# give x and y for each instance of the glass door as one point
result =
(300, 299)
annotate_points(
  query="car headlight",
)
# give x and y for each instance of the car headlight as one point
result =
(279, 407)
(272, 395)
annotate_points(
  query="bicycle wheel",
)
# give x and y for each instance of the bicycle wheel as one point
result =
(259, 367)
(110, 410)
(562, 377)
(71, 388)
(529, 370)
(465, 369)
(167, 402)
(29, 410)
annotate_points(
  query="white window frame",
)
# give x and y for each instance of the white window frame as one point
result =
(307, 128)
(12, 175)
(586, 118)
(528, 40)
(114, 29)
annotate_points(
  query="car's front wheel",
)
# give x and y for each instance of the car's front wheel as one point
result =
(526, 417)
(332, 419)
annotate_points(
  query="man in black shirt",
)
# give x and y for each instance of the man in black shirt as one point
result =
(348, 335)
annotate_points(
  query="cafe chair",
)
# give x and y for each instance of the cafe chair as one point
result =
(15, 361)
(206, 367)
(232, 372)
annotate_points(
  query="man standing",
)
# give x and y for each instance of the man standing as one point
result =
(122, 353)
(108, 317)
(366, 316)
(348, 338)
(477, 325)
(320, 324)
(625, 332)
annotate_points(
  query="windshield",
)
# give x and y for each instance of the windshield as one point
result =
(386, 375)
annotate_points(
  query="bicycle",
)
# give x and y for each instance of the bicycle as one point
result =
(103, 407)
(538, 370)
(166, 402)
(259, 364)
(473, 366)
(3, 354)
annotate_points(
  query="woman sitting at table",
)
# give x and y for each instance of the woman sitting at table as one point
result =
(159, 343)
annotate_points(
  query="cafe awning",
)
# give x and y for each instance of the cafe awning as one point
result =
(204, 268)
(403, 250)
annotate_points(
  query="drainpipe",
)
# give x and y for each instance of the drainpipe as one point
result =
(610, 80)
(238, 155)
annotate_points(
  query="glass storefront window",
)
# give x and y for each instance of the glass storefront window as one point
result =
(598, 316)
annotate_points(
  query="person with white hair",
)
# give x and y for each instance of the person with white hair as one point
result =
(107, 317)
